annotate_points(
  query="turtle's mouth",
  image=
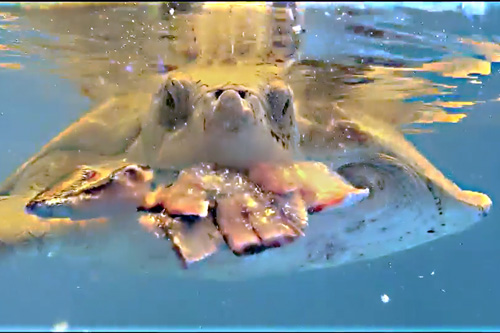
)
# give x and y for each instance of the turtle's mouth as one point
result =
(92, 193)
(66, 205)
(53, 210)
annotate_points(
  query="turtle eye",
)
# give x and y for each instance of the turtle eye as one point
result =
(169, 100)
(89, 174)
(285, 108)
(174, 104)
(279, 105)
(280, 112)
(132, 173)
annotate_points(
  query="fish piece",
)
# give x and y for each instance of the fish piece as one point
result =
(277, 178)
(196, 240)
(192, 239)
(186, 196)
(322, 188)
(249, 219)
(234, 226)
(294, 209)
(319, 187)
(273, 228)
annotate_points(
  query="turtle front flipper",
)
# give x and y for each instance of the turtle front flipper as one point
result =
(395, 145)
(15, 225)
(352, 137)
(64, 215)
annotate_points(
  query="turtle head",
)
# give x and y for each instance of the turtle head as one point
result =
(232, 125)
(242, 126)
(233, 109)
(94, 191)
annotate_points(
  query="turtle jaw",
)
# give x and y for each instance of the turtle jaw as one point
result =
(76, 205)
(44, 209)
(106, 200)
(116, 193)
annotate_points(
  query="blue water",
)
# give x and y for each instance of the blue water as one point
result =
(448, 284)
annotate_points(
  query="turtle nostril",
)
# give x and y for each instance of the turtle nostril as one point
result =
(218, 92)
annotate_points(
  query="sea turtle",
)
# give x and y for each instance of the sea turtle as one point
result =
(244, 115)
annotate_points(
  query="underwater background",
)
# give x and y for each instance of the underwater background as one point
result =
(451, 283)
